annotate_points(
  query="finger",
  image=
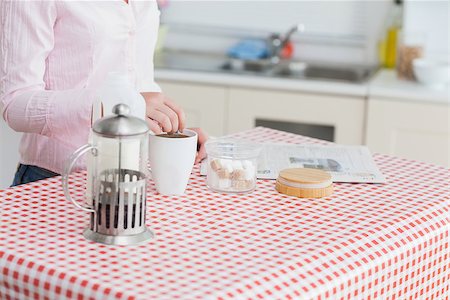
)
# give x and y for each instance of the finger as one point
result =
(162, 119)
(154, 126)
(178, 111)
(172, 116)
(202, 136)
(201, 154)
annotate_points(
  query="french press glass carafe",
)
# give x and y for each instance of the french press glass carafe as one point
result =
(117, 177)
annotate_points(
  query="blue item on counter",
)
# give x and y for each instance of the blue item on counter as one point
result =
(249, 49)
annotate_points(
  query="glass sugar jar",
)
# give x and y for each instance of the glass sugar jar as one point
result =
(231, 165)
(411, 46)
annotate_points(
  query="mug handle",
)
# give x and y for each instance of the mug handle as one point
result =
(68, 169)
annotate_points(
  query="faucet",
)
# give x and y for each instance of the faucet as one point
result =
(277, 42)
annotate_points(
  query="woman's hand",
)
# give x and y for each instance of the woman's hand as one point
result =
(163, 115)
(202, 138)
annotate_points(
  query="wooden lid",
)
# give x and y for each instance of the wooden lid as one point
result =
(304, 183)
(304, 175)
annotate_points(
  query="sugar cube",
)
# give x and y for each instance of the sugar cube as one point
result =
(237, 165)
(224, 184)
(238, 174)
(215, 165)
(247, 164)
(224, 174)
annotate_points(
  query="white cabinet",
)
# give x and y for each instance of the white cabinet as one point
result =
(204, 105)
(414, 130)
(345, 114)
(411, 129)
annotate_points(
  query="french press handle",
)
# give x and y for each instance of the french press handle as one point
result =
(68, 169)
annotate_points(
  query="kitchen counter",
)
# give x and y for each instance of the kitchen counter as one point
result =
(241, 80)
(385, 84)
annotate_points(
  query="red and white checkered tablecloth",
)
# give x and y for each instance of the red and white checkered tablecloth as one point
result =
(364, 242)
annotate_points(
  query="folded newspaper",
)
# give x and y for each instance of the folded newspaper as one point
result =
(344, 163)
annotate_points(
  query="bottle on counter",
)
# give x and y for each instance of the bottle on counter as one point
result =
(388, 46)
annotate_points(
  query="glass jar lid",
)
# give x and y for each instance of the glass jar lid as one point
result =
(120, 124)
(232, 149)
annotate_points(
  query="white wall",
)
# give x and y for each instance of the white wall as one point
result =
(329, 18)
(9, 154)
(351, 29)
(344, 31)
(432, 19)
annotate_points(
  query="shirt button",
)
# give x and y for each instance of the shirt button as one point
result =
(130, 68)
(132, 32)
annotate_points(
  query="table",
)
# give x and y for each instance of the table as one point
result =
(366, 241)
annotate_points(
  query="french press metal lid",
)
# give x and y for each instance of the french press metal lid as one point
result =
(120, 124)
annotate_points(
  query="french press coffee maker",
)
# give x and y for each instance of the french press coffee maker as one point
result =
(117, 179)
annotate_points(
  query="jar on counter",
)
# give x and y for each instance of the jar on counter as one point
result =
(410, 46)
(232, 165)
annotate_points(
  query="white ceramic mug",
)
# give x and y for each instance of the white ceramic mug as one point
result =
(171, 161)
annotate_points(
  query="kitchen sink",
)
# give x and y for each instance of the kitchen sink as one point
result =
(239, 66)
(192, 61)
(311, 71)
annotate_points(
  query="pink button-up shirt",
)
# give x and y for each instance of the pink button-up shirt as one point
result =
(55, 55)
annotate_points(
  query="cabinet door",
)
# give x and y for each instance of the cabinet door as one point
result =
(417, 131)
(344, 114)
(204, 105)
